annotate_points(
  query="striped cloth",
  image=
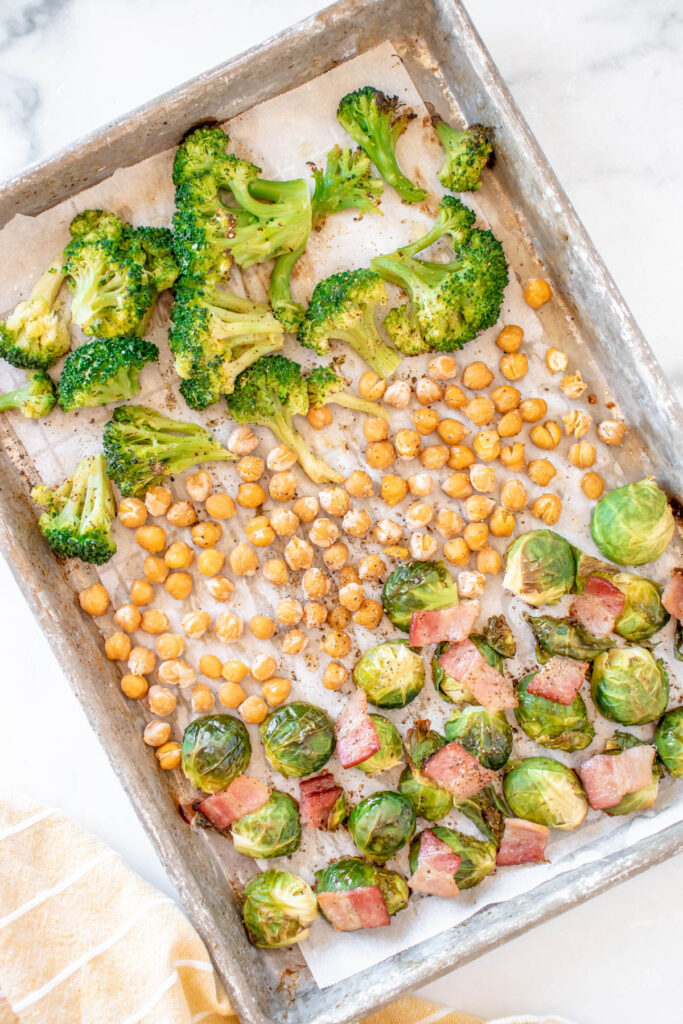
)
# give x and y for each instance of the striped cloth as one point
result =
(83, 940)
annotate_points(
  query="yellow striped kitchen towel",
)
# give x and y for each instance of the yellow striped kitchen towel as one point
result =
(83, 940)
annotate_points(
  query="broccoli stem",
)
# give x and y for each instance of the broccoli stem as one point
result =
(99, 507)
(290, 312)
(348, 401)
(366, 341)
(14, 399)
(49, 283)
(314, 467)
(245, 355)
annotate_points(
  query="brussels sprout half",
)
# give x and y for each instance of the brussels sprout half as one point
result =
(539, 567)
(487, 810)
(421, 742)
(633, 524)
(564, 638)
(381, 824)
(643, 614)
(429, 801)
(629, 686)
(391, 673)
(499, 637)
(353, 873)
(452, 690)
(484, 734)
(416, 586)
(478, 858)
(389, 754)
(272, 831)
(550, 724)
(643, 798)
(543, 790)
(669, 741)
(278, 909)
(216, 749)
(298, 738)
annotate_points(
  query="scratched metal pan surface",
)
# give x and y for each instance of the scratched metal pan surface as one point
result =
(529, 211)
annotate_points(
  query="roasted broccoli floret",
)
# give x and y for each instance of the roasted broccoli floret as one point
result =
(199, 152)
(271, 392)
(36, 334)
(346, 183)
(216, 335)
(78, 516)
(467, 154)
(104, 371)
(376, 121)
(343, 308)
(34, 399)
(116, 273)
(142, 447)
(325, 387)
(450, 303)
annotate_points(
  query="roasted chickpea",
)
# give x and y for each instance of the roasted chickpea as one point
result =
(573, 385)
(454, 397)
(259, 532)
(141, 661)
(375, 428)
(510, 424)
(513, 458)
(221, 588)
(556, 360)
(471, 584)
(242, 441)
(289, 612)
(169, 756)
(422, 546)
(198, 486)
(483, 478)
(393, 489)
(231, 695)
(428, 391)
(306, 508)
(513, 496)
(548, 508)
(158, 500)
(547, 435)
(351, 596)
(315, 614)
(243, 560)
(582, 455)
(298, 554)
(181, 513)
(396, 551)
(510, 338)
(480, 410)
(514, 365)
(349, 574)
(611, 431)
(369, 615)
(155, 569)
(179, 555)
(170, 646)
(443, 368)
(387, 532)
(141, 592)
(357, 521)
(407, 443)
(176, 673)
(337, 644)
(203, 699)
(294, 642)
(461, 457)
(505, 398)
(488, 560)
(487, 445)
(94, 600)
(533, 409)
(161, 701)
(234, 671)
(229, 627)
(448, 522)
(250, 468)
(419, 514)
(477, 376)
(420, 484)
(456, 551)
(334, 500)
(425, 421)
(577, 423)
(315, 583)
(478, 508)
(371, 386)
(501, 523)
(210, 666)
(319, 417)
(359, 484)
(128, 617)
(339, 617)
(117, 647)
(253, 710)
(541, 471)
(132, 513)
(397, 395)
(211, 562)
(195, 624)
(156, 733)
(284, 522)
(592, 485)
(280, 458)
(371, 567)
(282, 486)
(154, 621)
(334, 676)
(220, 506)
(263, 667)
(276, 572)
(476, 536)
(275, 691)
(451, 431)
(179, 585)
(206, 534)
(151, 538)
(537, 292)
(380, 454)
(250, 495)
(262, 627)
(336, 556)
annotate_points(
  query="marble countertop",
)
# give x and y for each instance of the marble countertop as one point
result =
(601, 84)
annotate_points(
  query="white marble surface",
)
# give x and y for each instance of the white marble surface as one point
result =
(601, 83)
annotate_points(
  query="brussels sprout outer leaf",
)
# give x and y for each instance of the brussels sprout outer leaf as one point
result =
(629, 686)
(416, 586)
(562, 638)
(499, 637)
(485, 734)
(543, 790)
(216, 749)
(279, 908)
(487, 811)
(274, 831)
(381, 824)
(298, 738)
(391, 674)
(669, 741)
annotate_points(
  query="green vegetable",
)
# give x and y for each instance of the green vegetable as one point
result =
(487, 810)
(669, 741)
(375, 122)
(543, 790)
(422, 742)
(298, 738)
(629, 686)
(678, 641)
(353, 873)
(484, 734)
(466, 155)
(273, 831)
(478, 858)
(104, 371)
(643, 614)
(36, 333)
(389, 754)
(564, 638)
(391, 674)
(499, 637)
(325, 387)
(143, 447)
(271, 392)
(34, 399)
(216, 749)
(449, 303)
(633, 524)
(346, 183)
(448, 687)
(643, 798)
(429, 800)
(539, 567)
(381, 824)
(417, 586)
(278, 909)
(551, 724)
(78, 518)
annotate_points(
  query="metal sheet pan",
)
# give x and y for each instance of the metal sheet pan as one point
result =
(529, 210)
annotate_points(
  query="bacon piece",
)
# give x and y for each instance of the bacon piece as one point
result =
(457, 771)
(354, 909)
(672, 598)
(560, 679)
(243, 796)
(437, 866)
(357, 737)
(523, 842)
(599, 607)
(607, 778)
(454, 624)
(463, 661)
(317, 797)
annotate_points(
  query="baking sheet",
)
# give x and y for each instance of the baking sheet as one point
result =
(144, 194)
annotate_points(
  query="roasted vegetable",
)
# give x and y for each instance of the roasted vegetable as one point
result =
(278, 909)
(35, 335)
(34, 399)
(543, 790)
(351, 873)
(550, 724)
(381, 824)
(298, 738)
(389, 754)
(390, 673)
(416, 586)
(629, 686)
(633, 524)
(272, 831)
(539, 567)
(564, 638)
(78, 515)
(429, 800)
(467, 153)
(478, 858)
(484, 734)
(104, 371)
(216, 749)
(669, 741)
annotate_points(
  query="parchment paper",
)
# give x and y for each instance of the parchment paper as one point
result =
(281, 136)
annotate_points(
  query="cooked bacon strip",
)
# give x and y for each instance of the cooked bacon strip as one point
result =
(354, 909)
(523, 842)
(599, 607)
(357, 737)
(560, 679)
(437, 866)
(317, 797)
(607, 778)
(463, 661)
(454, 624)
(457, 771)
(672, 598)
(243, 796)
